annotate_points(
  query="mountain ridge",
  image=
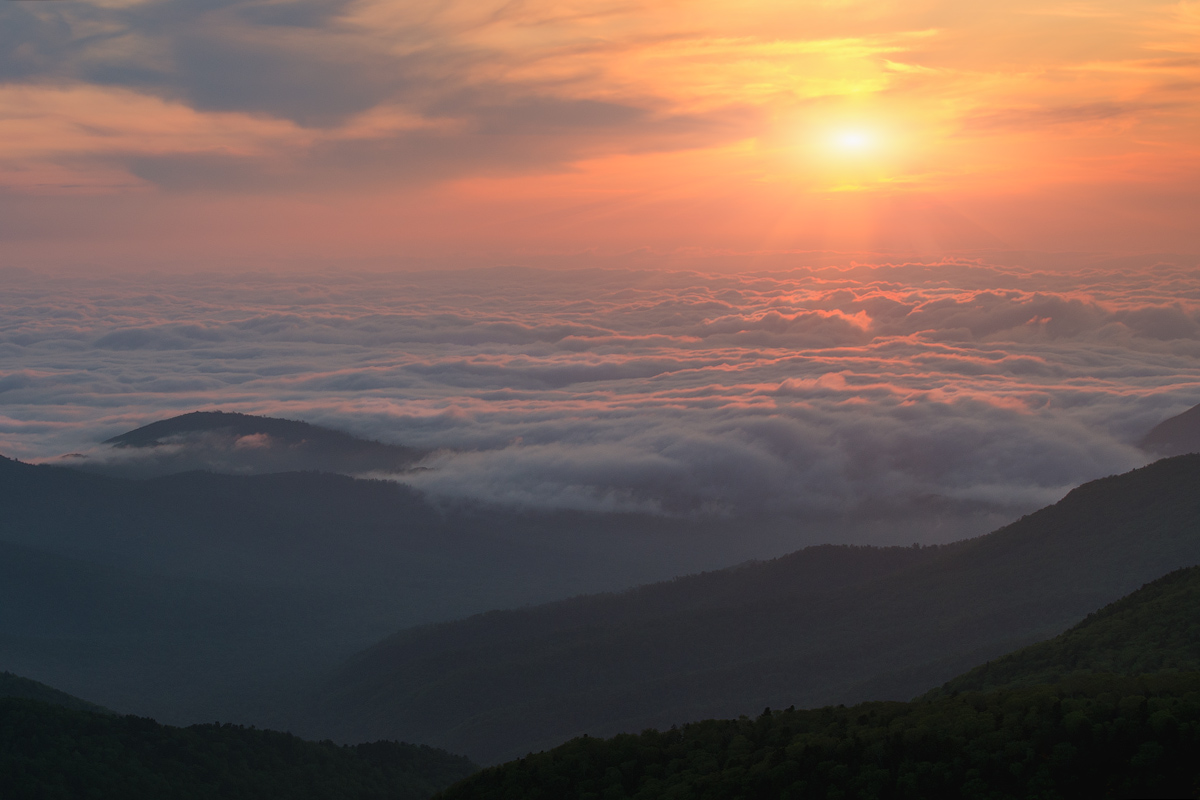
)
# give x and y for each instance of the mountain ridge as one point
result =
(14, 686)
(494, 696)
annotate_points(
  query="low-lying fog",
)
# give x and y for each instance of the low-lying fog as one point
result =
(865, 396)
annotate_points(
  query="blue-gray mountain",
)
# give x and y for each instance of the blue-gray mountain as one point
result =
(222, 441)
(200, 596)
(825, 625)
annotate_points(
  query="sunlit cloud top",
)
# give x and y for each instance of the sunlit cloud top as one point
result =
(376, 125)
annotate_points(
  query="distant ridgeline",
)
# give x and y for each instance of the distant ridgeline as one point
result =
(1120, 719)
(56, 751)
(14, 686)
(223, 441)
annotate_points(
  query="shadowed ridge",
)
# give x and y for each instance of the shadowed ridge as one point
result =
(51, 751)
(16, 686)
(1155, 629)
(1175, 436)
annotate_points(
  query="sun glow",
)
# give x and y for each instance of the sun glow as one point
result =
(853, 141)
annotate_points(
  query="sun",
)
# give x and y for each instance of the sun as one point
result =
(846, 151)
(853, 140)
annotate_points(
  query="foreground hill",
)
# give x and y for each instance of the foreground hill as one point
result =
(53, 752)
(1088, 733)
(229, 442)
(1175, 436)
(1090, 737)
(1155, 629)
(499, 685)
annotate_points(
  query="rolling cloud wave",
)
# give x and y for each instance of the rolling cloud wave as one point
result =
(815, 392)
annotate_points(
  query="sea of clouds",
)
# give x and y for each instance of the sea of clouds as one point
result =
(809, 393)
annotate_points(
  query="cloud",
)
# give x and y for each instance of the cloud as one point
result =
(31, 44)
(383, 92)
(823, 395)
(1040, 118)
(410, 103)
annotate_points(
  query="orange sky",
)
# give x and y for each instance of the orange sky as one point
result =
(225, 132)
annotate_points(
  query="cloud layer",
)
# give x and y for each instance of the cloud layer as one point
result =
(813, 393)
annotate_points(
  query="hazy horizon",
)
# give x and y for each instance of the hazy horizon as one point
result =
(797, 259)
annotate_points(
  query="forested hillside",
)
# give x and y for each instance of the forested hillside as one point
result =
(502, 684)
(1062, 725)
(1090, 737)
(49, 752)
(1155, 629)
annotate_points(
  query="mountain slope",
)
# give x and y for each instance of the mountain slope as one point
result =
(503, 684)
(49, 751)
(1092, 737)
(1155, 629)
(1060, 725)
(1175, 436)
(17, 687)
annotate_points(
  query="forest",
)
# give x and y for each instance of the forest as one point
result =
(1090, 736)
(50, 752)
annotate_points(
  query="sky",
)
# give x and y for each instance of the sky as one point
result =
(234, 134)
(801, 258)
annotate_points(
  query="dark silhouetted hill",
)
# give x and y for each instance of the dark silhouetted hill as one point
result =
(16, 686)
(49, 751)
(1175, 436)
(1155, 629)
(222, 441)
(498, 685)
